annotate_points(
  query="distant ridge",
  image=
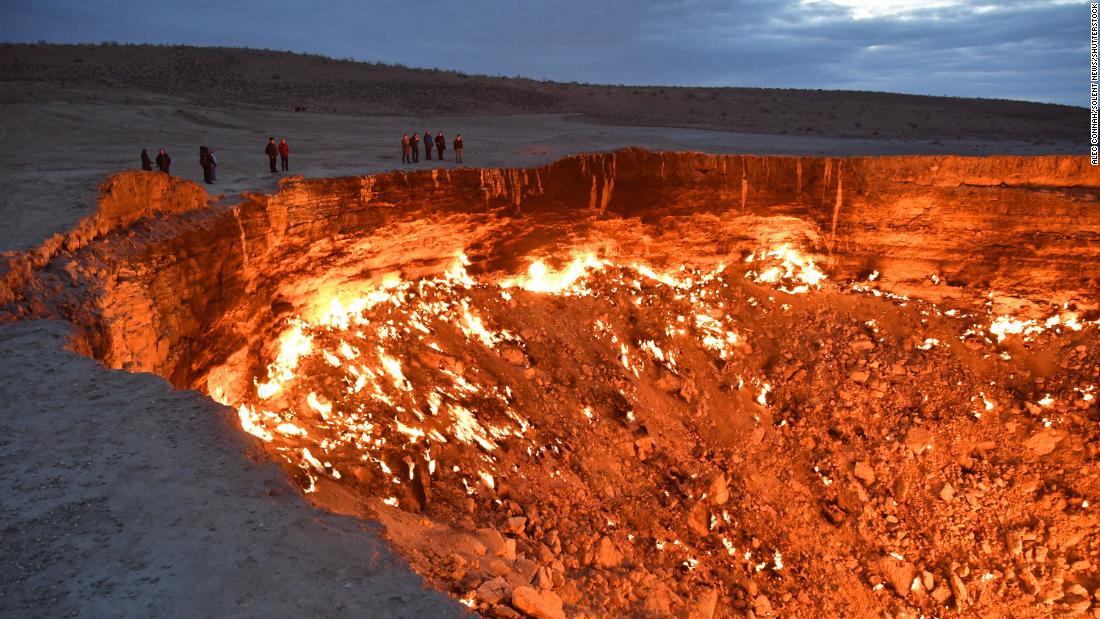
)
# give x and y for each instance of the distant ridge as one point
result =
(263, 79)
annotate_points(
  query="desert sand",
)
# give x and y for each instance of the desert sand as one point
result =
(124, 497)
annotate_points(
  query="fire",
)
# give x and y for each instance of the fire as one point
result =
(540, 278)
(369, 378)
(1003, 326)
(795, 272)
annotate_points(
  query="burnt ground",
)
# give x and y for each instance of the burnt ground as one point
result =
(704, 444)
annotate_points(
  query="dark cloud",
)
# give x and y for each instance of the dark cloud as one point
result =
(1018, 49)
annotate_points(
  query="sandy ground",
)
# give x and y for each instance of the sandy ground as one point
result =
(124, 498)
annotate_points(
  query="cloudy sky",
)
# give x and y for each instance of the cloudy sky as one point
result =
(1016, 49)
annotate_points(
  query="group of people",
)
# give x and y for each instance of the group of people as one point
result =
(163, 161)
(282, 151)
(209, 162)
(410, 153)
(410, 147)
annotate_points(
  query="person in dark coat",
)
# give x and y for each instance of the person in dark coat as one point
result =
(207, 167)
(272, 152)
(163, 161)
(458, 148)
(213, 165)
(428, 145)
(440, 145)
(146, 162)
(414, 144)
(406, 149)
(284, 154)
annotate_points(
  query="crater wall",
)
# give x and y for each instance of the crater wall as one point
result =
(159, 281)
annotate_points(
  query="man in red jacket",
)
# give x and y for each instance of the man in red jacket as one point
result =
(284, 154)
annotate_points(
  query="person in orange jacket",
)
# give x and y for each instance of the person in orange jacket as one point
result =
(284, 154)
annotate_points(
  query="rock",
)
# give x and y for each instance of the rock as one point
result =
(508, 553)
(859, 376)
(833, 513)
(1028, 582)
(947, 492)
(941, 593)
(525, 569)
(470, 545)
(761, 606)
(704, 605)
(1043, 442)
(698, 519)
(493, 590)
(538, 604)
(864, 473)
(927, 580)
(719, 490)
(659, 600)
(899, 574)
(607, 555)
(492, 539)
(862, 345)
(1014, 542)
(544, 554)
(514, 356)
(497, 567)
(516, 524)
(918, 440)
(505, 612)
(958, 587)
(901, 488)
(543, 579)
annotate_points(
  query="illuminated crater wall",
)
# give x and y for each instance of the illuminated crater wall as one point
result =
(187, 293)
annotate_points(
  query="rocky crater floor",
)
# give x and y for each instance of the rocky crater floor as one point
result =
(645, 384)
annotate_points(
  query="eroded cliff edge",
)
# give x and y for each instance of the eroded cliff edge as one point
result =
(189, 286)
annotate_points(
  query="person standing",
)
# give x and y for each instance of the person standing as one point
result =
(440, 145)
(163, 161)
(272, 152)
(406, 154)
(213, 165)
(204, 161)
(428, 145)
(414, 144)
(458, 148)
(284, 154)
(146, 162)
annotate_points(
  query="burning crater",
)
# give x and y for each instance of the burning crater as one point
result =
(646, 384)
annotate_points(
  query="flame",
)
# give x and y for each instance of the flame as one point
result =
(540, 278)
(374, 365)
(795, 271)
